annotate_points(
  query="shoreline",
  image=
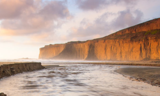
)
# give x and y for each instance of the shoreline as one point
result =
(146, 75)
(9, 69)
(132, 63)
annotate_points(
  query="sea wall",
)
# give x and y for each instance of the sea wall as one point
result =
(139, 42)
(12, 69)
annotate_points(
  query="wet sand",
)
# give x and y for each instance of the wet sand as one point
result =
(147, 75)
(132, 63)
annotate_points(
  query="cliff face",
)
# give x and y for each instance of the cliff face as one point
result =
(140, 42)
(51, 51)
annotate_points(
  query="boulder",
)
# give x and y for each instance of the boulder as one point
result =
(2, 94)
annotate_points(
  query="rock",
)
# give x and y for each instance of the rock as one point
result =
(156, 82)
(11, 69)
(139, 42)
(2, 94)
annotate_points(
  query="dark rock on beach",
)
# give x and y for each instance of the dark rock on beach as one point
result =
(147, 75)
(11, 69)
(2, 94)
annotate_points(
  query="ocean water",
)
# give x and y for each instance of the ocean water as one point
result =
(75, 80)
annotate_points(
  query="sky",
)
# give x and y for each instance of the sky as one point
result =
(27, 25)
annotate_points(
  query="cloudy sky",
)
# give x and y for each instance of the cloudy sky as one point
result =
(27, 25)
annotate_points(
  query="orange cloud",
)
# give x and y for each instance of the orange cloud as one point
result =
(25, 17)
(75, 30)
(6, 32)
(96, 36)
(39, 37)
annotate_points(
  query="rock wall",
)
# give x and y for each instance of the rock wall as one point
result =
(11, 69)
(140, 42)
(125, 49)
(51, 51)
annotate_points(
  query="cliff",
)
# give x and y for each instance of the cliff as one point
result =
(12, 69)
(139, 42)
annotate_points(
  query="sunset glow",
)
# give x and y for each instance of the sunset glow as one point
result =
(27, 25)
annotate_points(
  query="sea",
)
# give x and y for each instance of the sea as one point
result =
(75, 79)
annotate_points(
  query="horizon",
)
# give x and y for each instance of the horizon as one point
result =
(28, 25)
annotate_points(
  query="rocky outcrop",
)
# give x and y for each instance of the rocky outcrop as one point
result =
(11, 69)
(147, 75)
(139, 42)
(2, 94)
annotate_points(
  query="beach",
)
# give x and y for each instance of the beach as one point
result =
(99, 76)
(147, 75)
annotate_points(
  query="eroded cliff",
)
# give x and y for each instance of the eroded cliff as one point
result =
(139, 42)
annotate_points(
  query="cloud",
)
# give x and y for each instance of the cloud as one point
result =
(101, 26)
(14, 8)
(54, 9)
(31, 24)
(98, 4)
(127, 18)
(5, 40)
(47, 20)
(39, 39)
(90, 4)
(31, 16)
